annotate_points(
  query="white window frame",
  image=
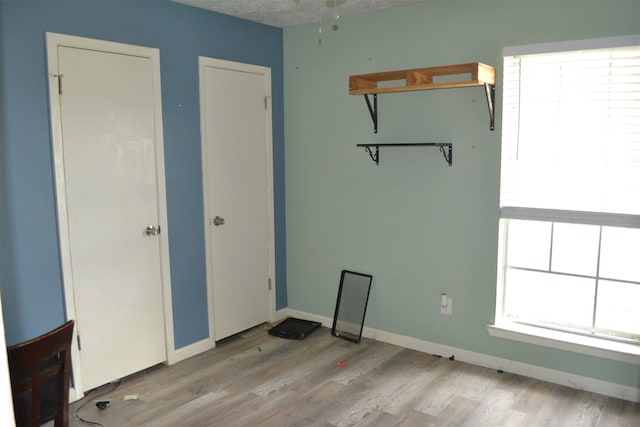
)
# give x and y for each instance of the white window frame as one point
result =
(503, 328)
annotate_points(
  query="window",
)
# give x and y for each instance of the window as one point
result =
(570, 189)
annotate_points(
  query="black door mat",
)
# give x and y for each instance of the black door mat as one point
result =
(294, 329)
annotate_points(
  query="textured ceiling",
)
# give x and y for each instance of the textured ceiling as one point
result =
(287, 13)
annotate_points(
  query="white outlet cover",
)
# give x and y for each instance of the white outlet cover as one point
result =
(449, 307)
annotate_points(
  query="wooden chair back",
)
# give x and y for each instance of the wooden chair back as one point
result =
(40, 370)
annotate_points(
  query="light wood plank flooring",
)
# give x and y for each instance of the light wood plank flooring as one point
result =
(254, 379)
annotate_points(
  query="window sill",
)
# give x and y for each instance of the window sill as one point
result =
(591, 346)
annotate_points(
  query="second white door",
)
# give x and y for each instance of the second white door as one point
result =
(236, 149)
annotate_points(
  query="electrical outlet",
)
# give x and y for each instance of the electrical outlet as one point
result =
(446, 305)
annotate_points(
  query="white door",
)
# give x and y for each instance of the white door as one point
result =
(111, 203)
(236, 148)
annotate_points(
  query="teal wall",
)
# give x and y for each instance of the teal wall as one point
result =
(30, 274)
(417, 225)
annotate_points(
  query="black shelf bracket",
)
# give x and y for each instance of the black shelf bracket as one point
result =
(490, 90)
(375, 157)
(446, 148)
(448, 154)
(373, 110)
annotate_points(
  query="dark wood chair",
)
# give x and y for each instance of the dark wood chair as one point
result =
(40, 370)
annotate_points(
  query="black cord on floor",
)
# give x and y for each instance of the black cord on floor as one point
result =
(116, 385)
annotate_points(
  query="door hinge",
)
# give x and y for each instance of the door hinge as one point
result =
(79, 345)
(269, 283)
(266, 102)
(59, 77)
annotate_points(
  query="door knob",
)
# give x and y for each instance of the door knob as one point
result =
(217, 221)
(152, 230)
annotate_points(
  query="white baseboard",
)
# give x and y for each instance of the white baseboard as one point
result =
(206, 344)
(73, 395)
(190, 350)
(593, 385)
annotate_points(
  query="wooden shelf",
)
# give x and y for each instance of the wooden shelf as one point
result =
(446, 77)
(423, 79)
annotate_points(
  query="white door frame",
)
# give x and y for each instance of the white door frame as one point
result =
(6, 396)
(204, 62)
(54, 41)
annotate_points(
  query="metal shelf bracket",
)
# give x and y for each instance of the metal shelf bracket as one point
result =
(448, 154)
(490, 90)
(373, 110)
(375, 157)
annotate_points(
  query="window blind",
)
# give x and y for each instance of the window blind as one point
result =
(571, 131)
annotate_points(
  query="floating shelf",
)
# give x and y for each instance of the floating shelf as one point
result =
(446, 77)
(448, 154)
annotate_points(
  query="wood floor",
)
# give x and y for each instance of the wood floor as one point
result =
(254, 379)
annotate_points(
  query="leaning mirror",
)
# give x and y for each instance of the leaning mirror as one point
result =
(351, 306)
